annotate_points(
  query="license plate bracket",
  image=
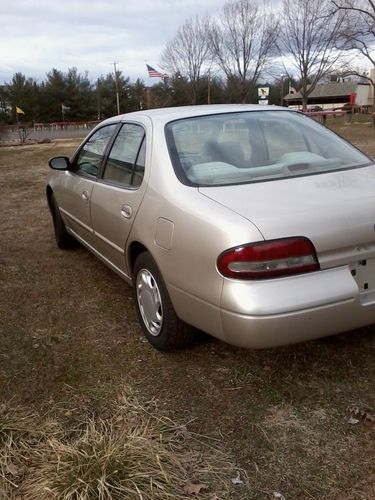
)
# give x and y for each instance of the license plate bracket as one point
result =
(364, 273)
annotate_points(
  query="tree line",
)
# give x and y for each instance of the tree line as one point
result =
(217, 60)
(70, 96)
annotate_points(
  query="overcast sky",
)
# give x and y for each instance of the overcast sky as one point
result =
(38, 35)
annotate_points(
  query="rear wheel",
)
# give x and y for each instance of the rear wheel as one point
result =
(161, 326)
(63, 239)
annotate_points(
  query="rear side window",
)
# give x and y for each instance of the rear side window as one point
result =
(126, 160)
(91, 154)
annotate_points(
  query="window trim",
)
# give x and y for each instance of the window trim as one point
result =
(74, 169)
(109, 182)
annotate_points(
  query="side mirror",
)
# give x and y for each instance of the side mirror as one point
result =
(59, 163)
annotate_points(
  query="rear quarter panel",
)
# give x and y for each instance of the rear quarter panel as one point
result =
(199, 230)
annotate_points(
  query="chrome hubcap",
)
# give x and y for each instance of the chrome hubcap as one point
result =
(149, 301)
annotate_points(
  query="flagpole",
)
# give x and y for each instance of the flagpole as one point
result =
(148, 97)
(18, 111)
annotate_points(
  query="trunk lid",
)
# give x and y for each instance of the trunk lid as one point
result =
(336, 211)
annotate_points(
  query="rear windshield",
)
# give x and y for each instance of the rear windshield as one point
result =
(243, 147)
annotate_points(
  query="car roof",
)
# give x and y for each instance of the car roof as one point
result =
(168, 114)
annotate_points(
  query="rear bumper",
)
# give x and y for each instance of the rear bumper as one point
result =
(290, 310)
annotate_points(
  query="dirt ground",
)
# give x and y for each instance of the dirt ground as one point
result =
(298, 419)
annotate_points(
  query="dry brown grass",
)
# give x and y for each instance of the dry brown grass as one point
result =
(360, 132)
(134, 454)
(70, 343)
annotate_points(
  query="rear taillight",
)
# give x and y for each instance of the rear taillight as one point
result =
(269, 259)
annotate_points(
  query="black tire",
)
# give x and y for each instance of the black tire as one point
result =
(63, 239)
(167, 332)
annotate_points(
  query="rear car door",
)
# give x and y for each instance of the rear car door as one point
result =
(117, 195)
(74, 192)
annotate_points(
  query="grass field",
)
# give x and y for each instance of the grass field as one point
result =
(89, 410)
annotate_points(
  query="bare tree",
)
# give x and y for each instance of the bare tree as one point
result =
(24, 130)
(308, 40)
(358, 33)
(243, 41)
(188, 52)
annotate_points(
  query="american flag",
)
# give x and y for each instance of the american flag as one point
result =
(153, 73)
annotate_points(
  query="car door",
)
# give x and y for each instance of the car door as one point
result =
(117, 195)
(75, 191)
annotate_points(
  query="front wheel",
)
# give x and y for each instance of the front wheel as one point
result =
(161, 326)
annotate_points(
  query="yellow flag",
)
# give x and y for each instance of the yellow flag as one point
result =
(19, 111)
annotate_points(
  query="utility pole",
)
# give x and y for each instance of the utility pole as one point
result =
(116, 84)
(282, 90)
(209, 87)
(98, 97)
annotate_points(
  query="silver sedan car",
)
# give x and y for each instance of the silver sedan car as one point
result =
(254, 224)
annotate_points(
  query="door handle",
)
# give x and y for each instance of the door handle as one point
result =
(126, 211)
(85, 195)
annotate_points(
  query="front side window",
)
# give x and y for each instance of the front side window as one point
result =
(243, 147)
(126, 160)
(91, 154)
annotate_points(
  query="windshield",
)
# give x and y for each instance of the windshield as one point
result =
(234, 148)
